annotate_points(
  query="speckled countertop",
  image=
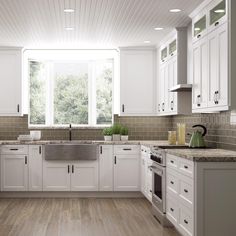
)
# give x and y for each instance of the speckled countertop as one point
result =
(205, 155)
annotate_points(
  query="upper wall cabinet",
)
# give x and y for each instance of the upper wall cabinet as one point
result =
(213, 53)
(11, 82)
(172, 72)
(137, 81)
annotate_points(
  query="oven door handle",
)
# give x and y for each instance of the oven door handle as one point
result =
(156, 170)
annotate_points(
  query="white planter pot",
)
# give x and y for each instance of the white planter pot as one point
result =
(108, 138)
(124, 137)
(116, 137)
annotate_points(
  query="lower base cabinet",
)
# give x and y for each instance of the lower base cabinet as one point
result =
(70, 176)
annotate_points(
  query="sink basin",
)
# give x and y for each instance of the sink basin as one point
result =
(70, 151)
(179, 147)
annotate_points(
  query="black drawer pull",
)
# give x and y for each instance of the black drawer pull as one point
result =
(186, 167)
(185, 190)
(14, 149)
(199, 36)
(217, 23)
(172, 209)
(186, 222)
(172, 162)
(171, 182)
(127, 149)
(150, 191)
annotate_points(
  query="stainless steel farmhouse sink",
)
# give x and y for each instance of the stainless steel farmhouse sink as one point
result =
(70, 151)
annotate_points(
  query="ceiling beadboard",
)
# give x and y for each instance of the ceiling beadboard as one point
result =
(97, 23)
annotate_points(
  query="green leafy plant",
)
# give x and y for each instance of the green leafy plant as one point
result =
(124, 131)
(116, 129)
(107, 131)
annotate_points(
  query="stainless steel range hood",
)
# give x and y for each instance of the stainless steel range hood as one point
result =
(181, 88)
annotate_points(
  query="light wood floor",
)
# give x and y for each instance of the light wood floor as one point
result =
(83, 217)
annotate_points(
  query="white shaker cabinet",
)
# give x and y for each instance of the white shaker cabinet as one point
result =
(106, 168)
(126, 168)
(84, 176)
(14, 168)
(35, 168)
(137, 81)
(56, 176)
(10, 82)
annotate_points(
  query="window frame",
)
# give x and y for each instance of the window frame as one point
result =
(92, 98)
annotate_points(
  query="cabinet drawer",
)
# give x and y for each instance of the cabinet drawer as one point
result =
(14, 149)
(172, 210)
(186, 190)
(186, 167)
(172, 161)
(186, 221)
(126, 149)
(172, 181)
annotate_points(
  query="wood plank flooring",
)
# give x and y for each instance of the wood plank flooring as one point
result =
(80, 217)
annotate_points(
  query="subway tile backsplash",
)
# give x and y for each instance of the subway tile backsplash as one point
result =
(221, 130)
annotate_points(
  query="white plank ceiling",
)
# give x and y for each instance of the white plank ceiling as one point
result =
(97, 23)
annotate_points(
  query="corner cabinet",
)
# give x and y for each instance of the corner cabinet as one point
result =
(172, 66)
(137, 81)
(213, 54)
(11, 82)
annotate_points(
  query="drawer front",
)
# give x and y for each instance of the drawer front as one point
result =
(14, 149)
(186, 190)
(186, 167)
(172, 181)
(172, 210)
(186, 221)
(172, 161)
(126, 149)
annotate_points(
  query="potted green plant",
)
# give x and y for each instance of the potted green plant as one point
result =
(124, 134)
(107, 132)
(116, 132)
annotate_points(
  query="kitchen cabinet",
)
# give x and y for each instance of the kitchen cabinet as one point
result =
(35, 168)
(146, 173)
(172, 73)
(126, 168)
(106, 168)
(84, 176)
(11, 82)
(213, 55)
(137, 81)
(56, 176)
(70, 176)
(14, 168)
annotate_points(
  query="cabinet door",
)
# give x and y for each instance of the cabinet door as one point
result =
(56, 176)
(172, 81)
(84, 176)
(149, 180)
(14, 172)
(126, 173)
(143, 166)
(200, 74)
(35, 168)
(218, 66)
(11, 79)
(106, 168)
(137, 82)
(161, 106)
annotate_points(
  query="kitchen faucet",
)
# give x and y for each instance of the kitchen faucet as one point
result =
(70, 131)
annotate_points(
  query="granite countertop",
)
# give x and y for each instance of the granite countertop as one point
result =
(205, 155)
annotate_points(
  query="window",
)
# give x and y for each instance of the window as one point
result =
(66, 92)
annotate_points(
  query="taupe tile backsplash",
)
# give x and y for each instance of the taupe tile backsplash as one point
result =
(220, 133)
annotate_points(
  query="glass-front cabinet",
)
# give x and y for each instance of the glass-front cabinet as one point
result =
(173, 47)
(217, 13)
(199, 27)
(164, 54)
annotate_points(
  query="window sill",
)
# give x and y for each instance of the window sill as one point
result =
(38, 127)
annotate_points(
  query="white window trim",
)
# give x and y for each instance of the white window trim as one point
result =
(49, 119)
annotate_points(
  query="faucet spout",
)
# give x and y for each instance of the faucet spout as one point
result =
(70, 132)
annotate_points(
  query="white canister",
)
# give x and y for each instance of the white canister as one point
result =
(35, 134)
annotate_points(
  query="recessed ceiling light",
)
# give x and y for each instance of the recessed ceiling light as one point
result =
(175, 10)
(197, 29)
(158, 28)
(69, 28)
(147, 41)
(68, 10)
(219, 11)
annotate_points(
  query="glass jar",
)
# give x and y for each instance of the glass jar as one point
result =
(172, 137)
(181, 130)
